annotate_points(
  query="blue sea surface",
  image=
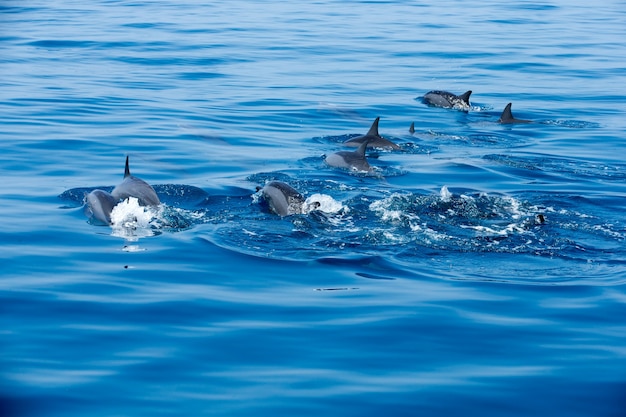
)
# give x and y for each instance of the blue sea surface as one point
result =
(478, 270)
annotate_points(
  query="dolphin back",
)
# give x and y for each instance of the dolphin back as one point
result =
(137, 188)
(438, 98)
(375, 140)
(352, 160)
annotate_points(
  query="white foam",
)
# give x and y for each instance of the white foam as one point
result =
(505, 230)
(131, 221)
(386, 212)
(322, 202)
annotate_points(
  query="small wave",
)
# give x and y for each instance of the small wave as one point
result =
(357, 218)
(561, 166)
(573, 124)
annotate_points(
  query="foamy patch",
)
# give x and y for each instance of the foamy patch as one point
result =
(133, 248)
(514, 207)
(445, 194)
(505, 230)
(322, 202)
(393, 208)
(131, 221)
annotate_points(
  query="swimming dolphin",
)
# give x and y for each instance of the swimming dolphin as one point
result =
(282, 199)
(412, 128)
(352, 160)
(376, 141)
(448, 100)
(507, 117)
(101, 205)
(132, 186)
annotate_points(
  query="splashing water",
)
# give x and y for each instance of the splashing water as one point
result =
(131, 221)
(324, 203)
(445, 194)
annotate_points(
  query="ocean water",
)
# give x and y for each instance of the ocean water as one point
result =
(478, 270)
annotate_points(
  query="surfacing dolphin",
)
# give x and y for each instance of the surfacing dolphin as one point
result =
(507, 117)
(101, 204)
(375, 140)
(352, 160)
(282, 198)
(448, 100)
(132, 186)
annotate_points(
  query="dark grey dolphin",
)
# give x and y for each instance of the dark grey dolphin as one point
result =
(282, 199)
(448, 100)
(101, 205)
(376, 141)
(352, 160)
(132, 186)
(507, 117)
(412, 128)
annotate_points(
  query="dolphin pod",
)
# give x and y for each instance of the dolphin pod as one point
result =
(281, 198)
(101, 203)
(284, 200)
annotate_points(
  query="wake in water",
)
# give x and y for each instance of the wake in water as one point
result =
(346, 214)
(370, 223)
(342, 220)
(463, 222)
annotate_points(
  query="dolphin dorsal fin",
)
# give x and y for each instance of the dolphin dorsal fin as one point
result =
(465, 96)
(374, 129)
(506, 114)
(412, 128)
(360, 152)
(127, 169)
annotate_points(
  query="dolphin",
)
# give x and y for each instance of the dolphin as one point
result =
(101, 205)
(412, 128)
(282, 199)
(132, 186)
(448, 100)
(352, 160)
(376, 141)
(507, 117)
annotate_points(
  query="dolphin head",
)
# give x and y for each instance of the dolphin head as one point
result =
(101, 204)
(282, 199)
(132, 186)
